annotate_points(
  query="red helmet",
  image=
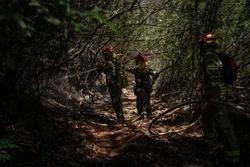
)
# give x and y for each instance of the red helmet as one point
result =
(210, 39)
(107, 50)
(108, 53)
(141, 57)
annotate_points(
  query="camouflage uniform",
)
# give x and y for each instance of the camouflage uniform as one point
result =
(143, 89)
(215, 119)
(112, 76)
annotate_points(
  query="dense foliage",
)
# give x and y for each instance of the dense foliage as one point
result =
(41, 42)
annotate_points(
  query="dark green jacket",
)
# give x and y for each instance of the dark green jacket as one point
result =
(111, 70)
(214, 86)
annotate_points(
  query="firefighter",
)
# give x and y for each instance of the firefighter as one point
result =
(111, 69)
(215, 119)
(144, 77)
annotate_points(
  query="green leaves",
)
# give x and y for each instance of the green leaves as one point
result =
(52, 20)
(43, 10)
(20, 21)
(23, 24)
(65, 4)
(38, 7)
(95, 13)
(4, 156)
(6, 144)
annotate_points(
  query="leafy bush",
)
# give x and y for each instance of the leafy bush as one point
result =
(6, 144)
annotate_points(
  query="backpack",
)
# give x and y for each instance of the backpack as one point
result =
(229, 68)
(121, 76)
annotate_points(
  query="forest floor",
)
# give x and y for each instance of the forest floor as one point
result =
(72, 135)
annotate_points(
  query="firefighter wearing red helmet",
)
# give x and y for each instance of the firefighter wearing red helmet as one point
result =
(215, 120)
(210, 39)
(111, 68)
(144, 77)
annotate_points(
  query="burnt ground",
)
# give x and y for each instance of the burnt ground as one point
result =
(71, 134)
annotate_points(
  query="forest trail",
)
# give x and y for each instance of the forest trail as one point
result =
(112, 138)
(109, 143)
(69, 133)
(130, 143)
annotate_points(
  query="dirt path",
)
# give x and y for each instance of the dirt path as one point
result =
(72, 135)
(131, 144)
